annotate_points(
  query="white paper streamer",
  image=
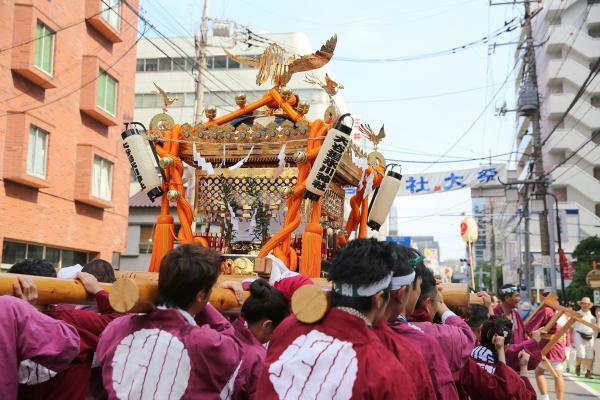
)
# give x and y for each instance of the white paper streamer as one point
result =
(235, 224)
(281, 158)
(223, 161)
(201, 161)
(242, 161)
(253, 220)
(369, 185)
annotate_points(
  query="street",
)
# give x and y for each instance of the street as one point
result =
(576, 388)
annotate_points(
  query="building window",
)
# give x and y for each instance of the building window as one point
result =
(164, 64)
(13, 252)
(107, 93)
(111, 10)
(220, 62)
(139, 65)
(146, 238)
(179, 64)
(37, 152)
(151, 64)
(44, 48)
(102, 178)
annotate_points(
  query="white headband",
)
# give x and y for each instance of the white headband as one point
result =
(346, 289)
(399, 281)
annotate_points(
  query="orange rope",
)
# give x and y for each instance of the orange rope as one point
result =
(280, 242)
(359, 207)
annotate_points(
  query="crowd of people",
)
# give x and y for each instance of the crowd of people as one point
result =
(387, 334)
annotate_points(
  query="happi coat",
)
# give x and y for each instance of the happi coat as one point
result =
(539, 320)
(454, 336)
(27, 334)
(433, 354)
(167, 354)
(252, 361)
(484, 378)
(73, 383)
(339, 357)
(520, 341)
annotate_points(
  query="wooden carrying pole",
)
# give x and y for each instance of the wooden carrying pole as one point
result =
(572, 317)
(124, 295)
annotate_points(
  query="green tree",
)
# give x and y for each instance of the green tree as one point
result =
(584, 255)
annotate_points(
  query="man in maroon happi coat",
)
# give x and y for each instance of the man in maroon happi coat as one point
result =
(340, 356)
(508, 308)
(183, 349)
(406, 288)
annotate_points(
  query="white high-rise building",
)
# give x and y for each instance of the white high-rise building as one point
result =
(567, 39)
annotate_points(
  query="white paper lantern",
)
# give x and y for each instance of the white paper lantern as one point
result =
(143, 161)
(469, 230)
(383, 199)
(333, 149)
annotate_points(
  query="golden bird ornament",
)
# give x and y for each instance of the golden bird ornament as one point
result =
(275, 62)
(330, 86)
(167, 101)
(366, 130)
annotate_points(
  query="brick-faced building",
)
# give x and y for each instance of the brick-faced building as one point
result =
(67, 72)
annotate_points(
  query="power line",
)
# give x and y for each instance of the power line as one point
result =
(452, 161)
(82, 86)
(508, 27)
(481, 114)
(58, 30)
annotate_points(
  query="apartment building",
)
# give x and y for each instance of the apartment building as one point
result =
(67, 70)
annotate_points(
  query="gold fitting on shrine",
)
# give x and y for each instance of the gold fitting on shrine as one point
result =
(299, 157)
(286, 192)
(286, 93)
(210, 112)
(240, 100)
(303, 107)
(173, 195)
(166, 162)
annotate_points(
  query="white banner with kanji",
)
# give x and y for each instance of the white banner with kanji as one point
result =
(438, 182)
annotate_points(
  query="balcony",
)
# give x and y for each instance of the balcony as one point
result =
(571, 71)
(594, 16)
(571, 140)
(576, 178)
(585, 45)
(556, 104)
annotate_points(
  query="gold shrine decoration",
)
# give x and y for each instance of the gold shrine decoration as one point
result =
(277, 63)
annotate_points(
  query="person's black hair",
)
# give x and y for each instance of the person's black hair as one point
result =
(502, 296)
(478, 314)
(101, 269)
(428, 285)
(360, 263)
(185, 271)
(35, 267)
(404, 260)
(265, 302)
(496, 326)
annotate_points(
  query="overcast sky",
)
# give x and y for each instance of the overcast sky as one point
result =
(417, 129)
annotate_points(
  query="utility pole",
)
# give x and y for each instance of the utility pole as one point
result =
(536, 132)
(201, 43)
(526, 236)
(493, 250)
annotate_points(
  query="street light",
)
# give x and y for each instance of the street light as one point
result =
(561, 253)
